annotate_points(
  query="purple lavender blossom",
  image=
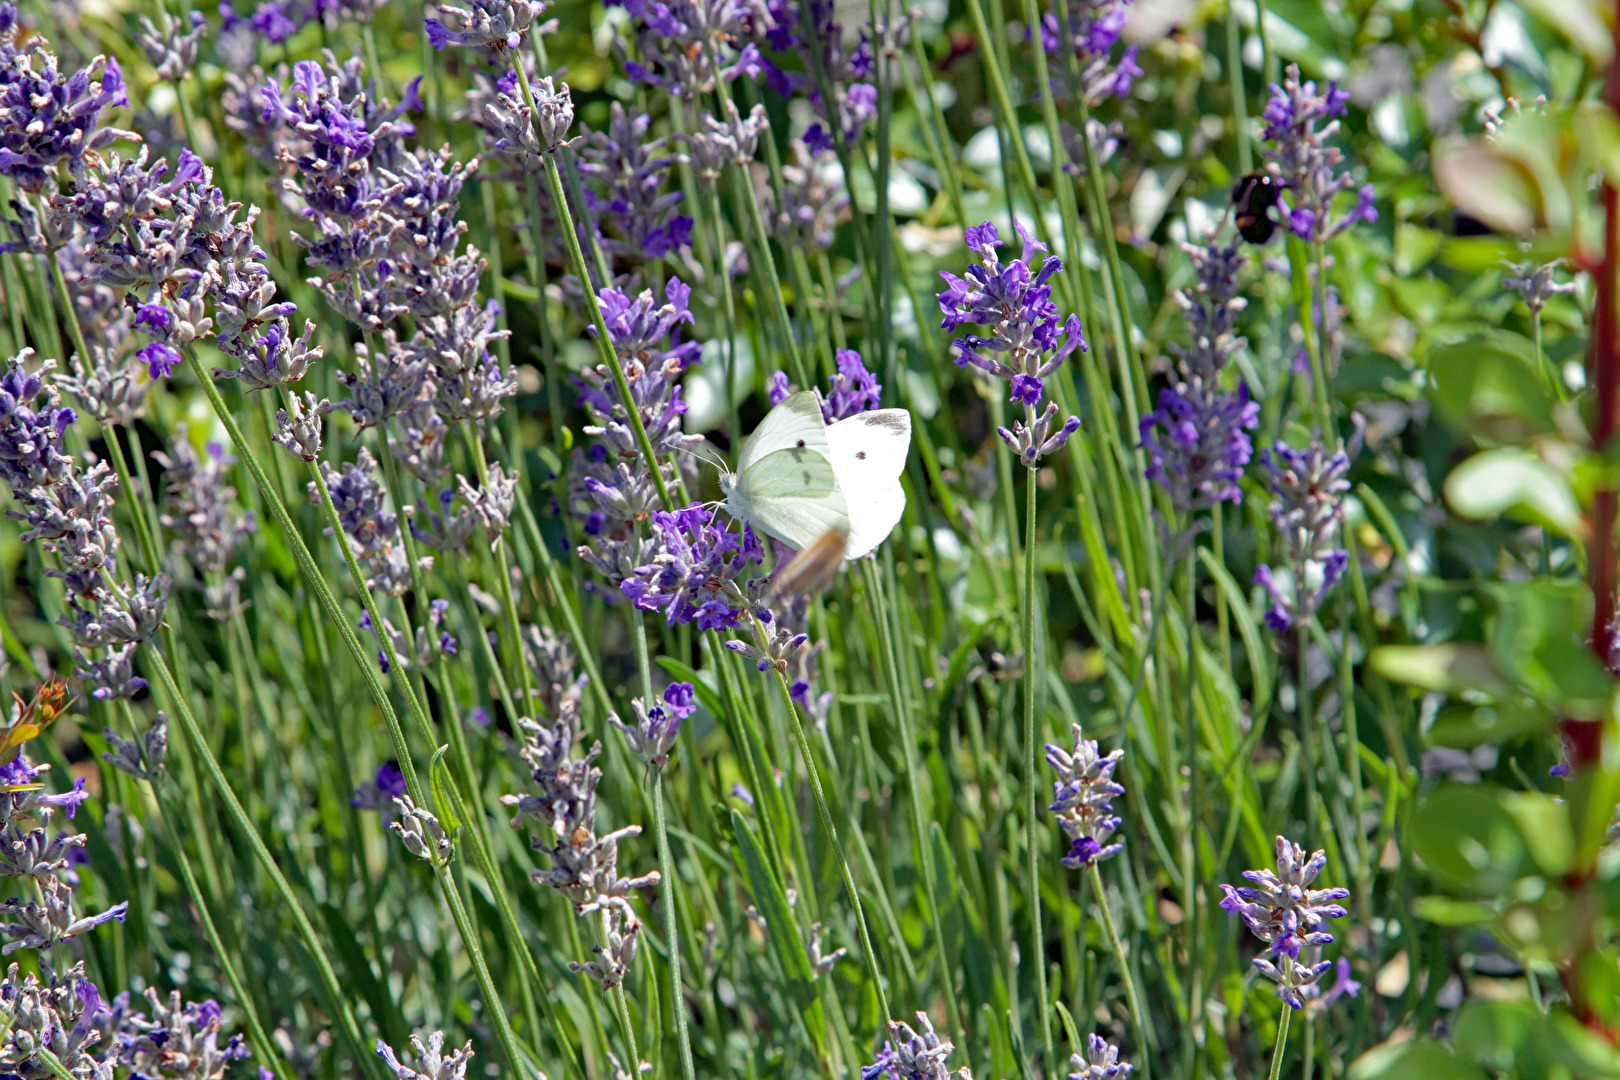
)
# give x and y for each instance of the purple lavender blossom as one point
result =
(625, 174)
(381, 790)
(693, 577)
(1084, 793)
(912, 1054)
(49, 118)
(1298, 122)
(689, 44)
(1100, 1062)
(1282, 910)
(1309, 486)
(808, 32)
(1014, 302)
(652, 736)
(1094, 30)
(493, 24)
(431, 1060)
(1197, 443)
(852, 389)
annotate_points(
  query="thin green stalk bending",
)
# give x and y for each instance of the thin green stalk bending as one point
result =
(338, 997)
(1031, 823)
(604, 343)
(825, 813)
(1145, 1041)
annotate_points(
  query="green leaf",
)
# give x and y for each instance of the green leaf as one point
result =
(781, 928)
(1444, 911)
(1469, 840)
(444, 801)
(1490, 388)
(1545, 826)
(1237, 601)
(1536, 640)
(1461, 725)
(1417, 1060)
(1514, 482)
(1451, 668)
(1492, 1032)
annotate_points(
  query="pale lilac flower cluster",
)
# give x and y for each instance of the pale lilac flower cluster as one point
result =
(611, 486)
(804, 210)
(207, 529)
(179, 1039)
(808, 32)
(1309, 486)
(49, 118)
(1197, 440)
(172, 52)
(69, 511)
(373, 530)
(432, 1063)
(1094, 29)
(1084, 795)
(551, 657)
(1282, 910)
(689, 44)
(493, 24)
(913, 1054)
(626, 175)
(1025, 343)
(652, 736)
(853, 389)
(1298, 124)
(584, 864)
(1100, 1062)
(1536, 283)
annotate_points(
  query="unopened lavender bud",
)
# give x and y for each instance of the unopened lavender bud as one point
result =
(142, 759)
(172, 53)
(275, 359)
(432, 1063)
(424, 837)
(492, 504)
(298, 430)
(112, 677)
(556, 112)
(612, 963)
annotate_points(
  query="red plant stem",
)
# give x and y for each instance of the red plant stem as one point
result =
(1584, 739)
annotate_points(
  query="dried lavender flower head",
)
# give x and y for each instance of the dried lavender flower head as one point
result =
(912, 1054)
(494, 24)
(1281, 909)
(1100, 1061)
(432, 1063)
(1535, 283)
(1309, 485)
(1084, 792)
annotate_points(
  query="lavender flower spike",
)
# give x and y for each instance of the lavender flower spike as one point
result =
(494, 24)
(1310, 486)
(432, 1063)
(1101, 1062)
(653, 735)
(912, 1055)
(1084, 795)
(1282, 910)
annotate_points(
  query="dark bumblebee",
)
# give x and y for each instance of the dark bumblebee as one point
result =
(1253, 196)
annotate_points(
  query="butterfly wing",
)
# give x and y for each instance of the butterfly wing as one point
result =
(795, 423)
(790, 494)
(868, 454)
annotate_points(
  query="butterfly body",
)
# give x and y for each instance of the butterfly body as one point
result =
(799, 478)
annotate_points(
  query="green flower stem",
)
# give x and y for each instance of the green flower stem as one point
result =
(502, 571)
(493, 1009)
(1146, 1042)
(250, 1012)
(831, 829)
(1194, 824)
(1282, 1035)
(1032, 663)
(915, 775)
(604, 344)
(668, 885)
(1240, 96)
(337, 997)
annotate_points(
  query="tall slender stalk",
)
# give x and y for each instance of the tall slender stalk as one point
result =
(1032, 665)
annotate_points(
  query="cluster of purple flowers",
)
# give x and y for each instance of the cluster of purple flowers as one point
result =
(911, 1054)
(372, 529)
(692, 578)
(1298, 124)
(626, 175)
(1025, 343)
(1084, 795)
(1309, 486)
(853, 389)
(432, 1063)
(207, 530)
(584, 864)
(1282, 910)
(69, 510)
(274, 21)
(803, 210)
(690, 44)
(839, 81)
(612, 487)
(1197, 440)
(652, 736)
(48, 118)
(1099, 1062)
(492, 24)
(1093, 31)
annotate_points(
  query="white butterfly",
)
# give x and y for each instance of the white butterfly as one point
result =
(799, 478)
